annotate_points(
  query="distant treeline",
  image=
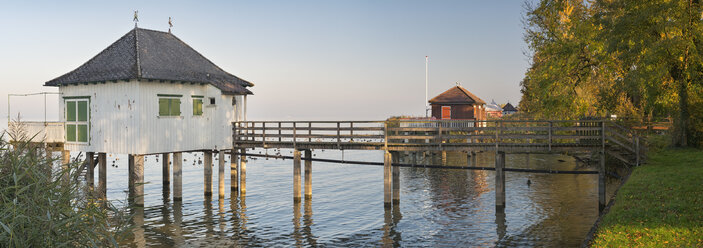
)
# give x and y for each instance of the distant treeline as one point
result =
(636, 59)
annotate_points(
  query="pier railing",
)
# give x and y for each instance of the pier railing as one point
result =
(445, 135)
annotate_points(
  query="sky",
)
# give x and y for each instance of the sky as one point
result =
(309, 60)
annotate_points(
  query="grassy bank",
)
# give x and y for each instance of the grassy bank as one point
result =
(660, 205)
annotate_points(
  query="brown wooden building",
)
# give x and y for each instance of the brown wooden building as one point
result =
(458, 103)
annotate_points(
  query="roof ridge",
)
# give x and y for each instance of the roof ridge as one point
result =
(136, 51)
(90, 60)
(208, 60)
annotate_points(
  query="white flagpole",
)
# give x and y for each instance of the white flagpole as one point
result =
(427, 104)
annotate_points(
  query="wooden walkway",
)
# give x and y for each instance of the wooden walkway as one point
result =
(500, 136)
(445, 135)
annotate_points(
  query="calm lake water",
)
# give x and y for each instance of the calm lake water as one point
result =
(438, 207)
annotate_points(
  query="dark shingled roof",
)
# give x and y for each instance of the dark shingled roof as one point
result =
(457, 95)
(509, 107)
(155, 55)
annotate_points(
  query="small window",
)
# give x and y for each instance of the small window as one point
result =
(169, 106)
(212, 101)
(77, 120)
(197, 106)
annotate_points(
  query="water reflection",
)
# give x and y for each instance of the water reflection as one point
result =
(308, 223)
(440, 207)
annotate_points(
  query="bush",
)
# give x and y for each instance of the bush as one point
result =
(39, 208)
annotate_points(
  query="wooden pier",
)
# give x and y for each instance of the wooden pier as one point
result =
(500, 136)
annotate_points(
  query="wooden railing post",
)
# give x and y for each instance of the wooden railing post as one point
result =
(263, 134)
(385, 136)
(550, 136)
(309, 132)
(439, 134)
(351, 130)
(339, 139)
(295, 137)
(498, 124)
(279, 131)
(236, 134)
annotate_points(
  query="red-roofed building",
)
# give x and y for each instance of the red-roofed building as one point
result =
(458, 103)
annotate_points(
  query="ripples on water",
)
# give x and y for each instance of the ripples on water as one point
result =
(438, 207)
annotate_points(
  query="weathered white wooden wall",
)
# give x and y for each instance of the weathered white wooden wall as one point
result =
(125, 119)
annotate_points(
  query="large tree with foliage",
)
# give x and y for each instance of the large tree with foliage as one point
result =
(638, 59)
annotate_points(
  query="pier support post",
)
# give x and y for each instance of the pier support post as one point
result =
(233, 172)
(444, 157)
(177, 176)
(65, 160)
(387, 178)
(138, 179)
(468, 159)
(166, 170)
(500, 180)
(396, 179)
(102, 176)
(130, 177)
(243, 173)
(308, 174)
(296, 175)
(601, 183)
(90, 174)
(221, 175)
(207, 172)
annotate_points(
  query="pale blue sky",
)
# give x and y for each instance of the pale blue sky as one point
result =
(322, 60)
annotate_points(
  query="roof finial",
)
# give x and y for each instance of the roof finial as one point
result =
(458, 84)
(170, 24)
(136, 18)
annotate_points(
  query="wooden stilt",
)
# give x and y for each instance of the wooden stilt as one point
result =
(130, 177)
(308, 174)
(65, 160)
(166, 170)
(396, 179)
(233, 172)
(500, 180)
(444, 157)
(243, 174)
(207, 172)
(296, 176)
(138, 180)
(102, 176)
(177, 176)
(221, 174)
(387, 177)
(90, 174)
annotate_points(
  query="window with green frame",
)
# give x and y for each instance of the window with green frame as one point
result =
(169, 105)
(77, 120)
(197, 105)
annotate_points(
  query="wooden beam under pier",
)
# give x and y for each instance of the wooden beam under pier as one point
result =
(177, 176)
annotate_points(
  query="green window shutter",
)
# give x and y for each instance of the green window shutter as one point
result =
(197, 106)
(82, 133)
(71, 132)
(163, 107)
(70, 111)
(175, 107)
(82, 111)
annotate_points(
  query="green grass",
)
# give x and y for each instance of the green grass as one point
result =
(661, 205)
